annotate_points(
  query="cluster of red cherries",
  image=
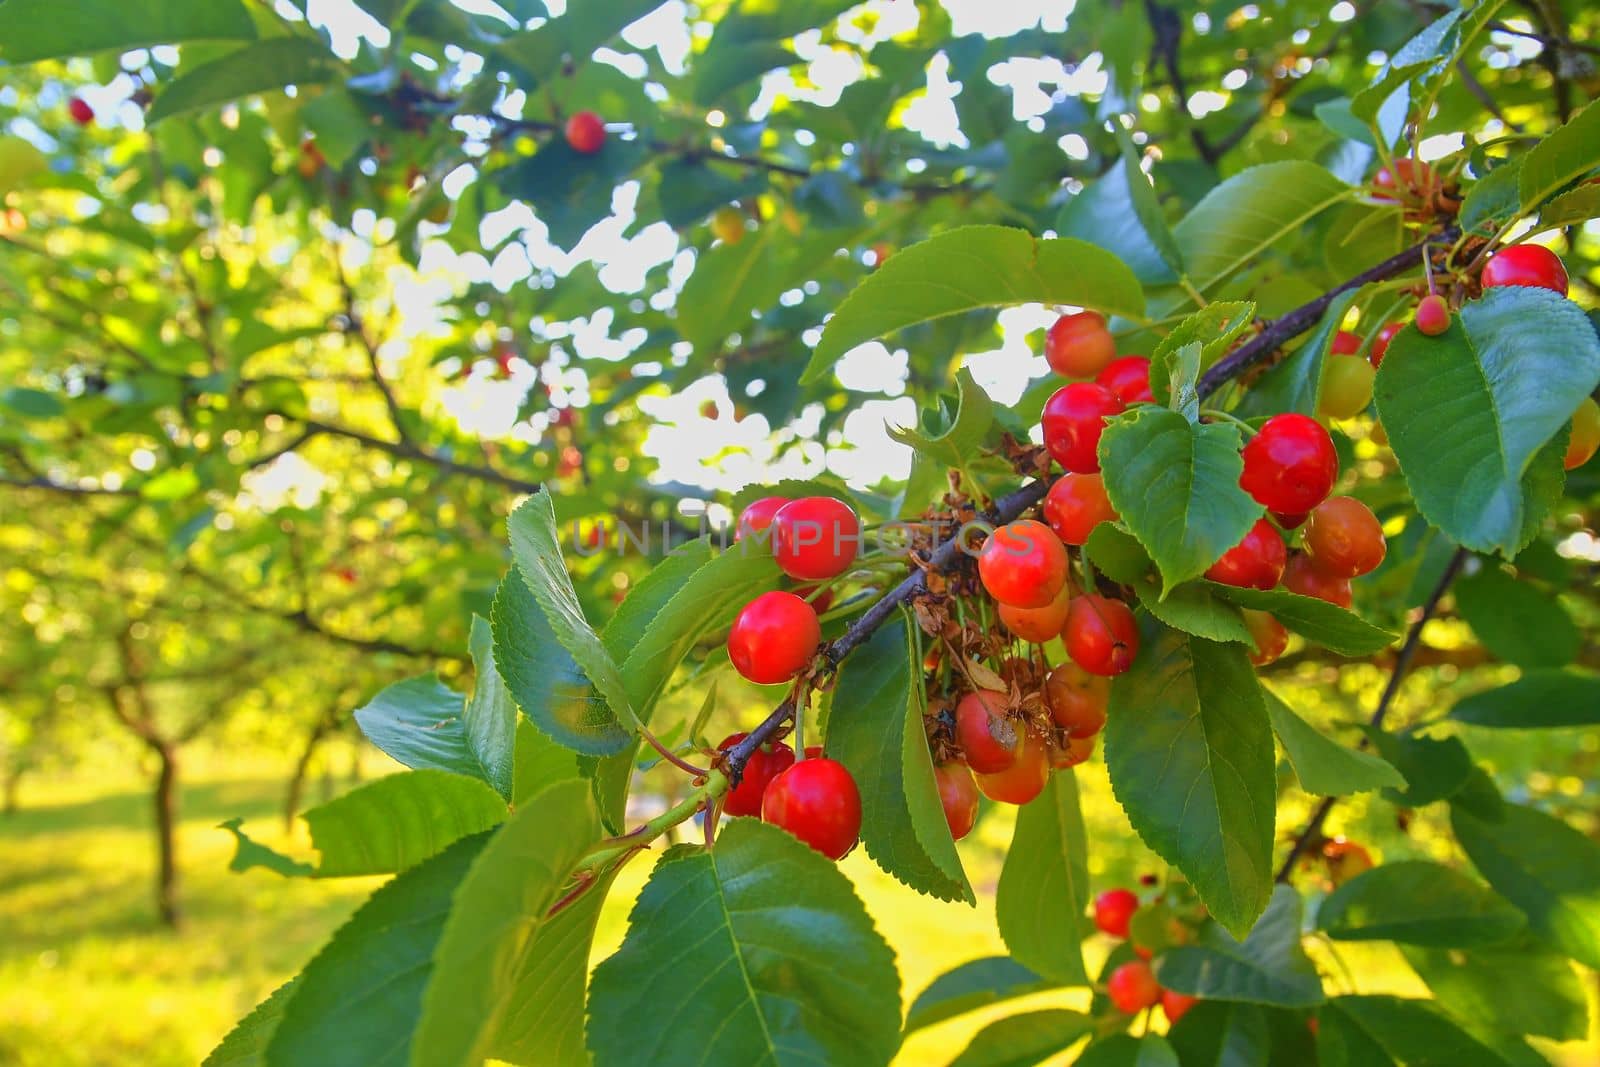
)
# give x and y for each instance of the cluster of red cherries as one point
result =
(1132, 987)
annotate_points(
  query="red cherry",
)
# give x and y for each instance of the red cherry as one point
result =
(1175, 1005)
(1074, 752)
(1290, 464)
(766, 763)
(1077, 699)
(1133, 987)
(1023, 564)
(586, 133)
(1039, 624)
(1585, 438)
(1345, 343)
(1525, 265)
(1289, 522)
(990, 741)
(1079, 346)
(1301, 576)
(1380, 342)
(1024, 779)
(1113, 909)
(815, 537)
(1433, 315)
(1345, 859)
(1254, 563)
(1268, 634)
(1101, 636)
(1343, 538)
(817, 801)
(1074, 417)
(1129, 378)
(1075, 505)
(80, 111)
(757, 516)
(774, 638)
(958, 794)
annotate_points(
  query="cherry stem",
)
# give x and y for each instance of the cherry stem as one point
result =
(1402, 663)
(1223, 416)
(671, 757)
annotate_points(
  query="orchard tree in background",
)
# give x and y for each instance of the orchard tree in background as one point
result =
(1307, 469)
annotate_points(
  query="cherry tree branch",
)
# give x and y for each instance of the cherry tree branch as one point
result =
(1402, 663)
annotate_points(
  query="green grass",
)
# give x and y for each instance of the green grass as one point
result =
(88, 977)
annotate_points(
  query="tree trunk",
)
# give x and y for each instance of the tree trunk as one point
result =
(166, 811)
(295, 794)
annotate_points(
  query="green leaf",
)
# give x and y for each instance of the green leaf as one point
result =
(1216, 326)
(1176, 485)
(1324, 766)
(1316, 620)
(543, 679)
(1180, 374)
(959, 438)
(1468, 411)
(357, 1001)
(1516, 621)
(418, 723)
(733, 283)
(875, 730)
(498, 913)
(246, 1043)
(1296, 383)
(249, 854)
(1519, 987)
(1267, 967)
(1025, 1040)
(1222, 1034)
(1189, 748)
(32, 403)
(544, 52)
(1539, 699)
(1371, 1031)
(1493, 199)
(259, 67)
(1419, 903)
(490, 717)
(1107, 214)
(763, 924)
(1044, 885)
(1543, 866)
(690, 190)
(31, 30)
(1251, 213)
(536, 548)
(973, 267)
(973, 985)
(1564, 156)
(1191, 607)
(396, 822)
(1435, 768)
(1572, 207)
(745, 46)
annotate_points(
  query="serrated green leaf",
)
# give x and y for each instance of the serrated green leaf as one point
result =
(763, 922)
(246, 1043)
(732, 283)
(260, 67)
(1267, 967)
(1566, 155)
(1249, 214)
(1469, 411)
(1539, 699)
(1516, 621)
(1544, 998)
(490, 716)
(876, 731)
(1191, 607)
(1106, 214)
(1176, 485)
(973, 267)
(543, 52)
(1322, 765)
(1418, 903)
(499, 911)
(1543, 866)
(536, 548)
(975, 984)
(1189, 748)
(958, 440)
(1044, 885)
(1493, 199)
(1355, 1031)
(1180, 372)
(1316, 620)
(1216, 326)
(1572, 207)
(357, 1001)
(1025, 1040)
(394, 823)
(418, 723)
(31, 30)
